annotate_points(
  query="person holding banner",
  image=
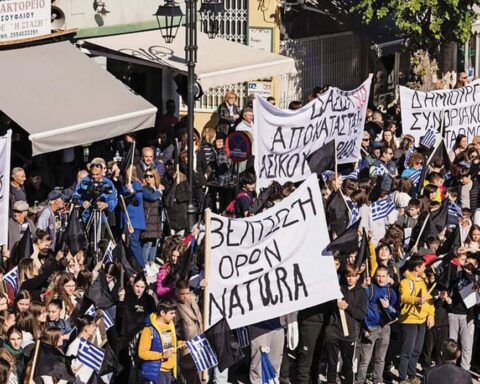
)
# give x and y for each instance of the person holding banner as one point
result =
(339, 337)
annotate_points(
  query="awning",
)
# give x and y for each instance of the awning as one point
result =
(220, 62)
(63, 99)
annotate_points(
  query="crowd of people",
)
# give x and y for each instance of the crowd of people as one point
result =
(115, 261)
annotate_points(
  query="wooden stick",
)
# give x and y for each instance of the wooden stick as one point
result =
(421, 231)
(208, 217)
(35, 357)
(206, 312)
(335, 158)
(124, 208)
(343, 320)
(432, 288)
(130, 168)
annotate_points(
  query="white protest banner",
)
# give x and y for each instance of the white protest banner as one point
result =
(460, 109)
(21, 19)
(270, 264)
(5, 148)
(283, 139)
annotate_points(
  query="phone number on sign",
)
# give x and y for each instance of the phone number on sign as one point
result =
(30, 32)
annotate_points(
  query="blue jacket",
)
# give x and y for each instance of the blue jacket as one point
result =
(150, 370)
(134, 204)
(374, 318)
(83, 193)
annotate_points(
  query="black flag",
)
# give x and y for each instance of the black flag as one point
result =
(75, 233)
(347, 241)
(225, 344)
(53, 363)
(23, 249)
(452, 241)
(99, 293)
(337, 212)
(364, 251)
(121, 259)
(322, 159)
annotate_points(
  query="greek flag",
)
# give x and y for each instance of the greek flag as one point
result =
(91, 311)
(107, 320)
(378, 169)
(415, 176)
(11, 278)
(407, 155)
(428, 140)
(108, 255)
(202, 353)
(352, 176)
(243, 337)
(382, 208)
(326, 175)
(90, 355)
(355, 214)
(454, 210)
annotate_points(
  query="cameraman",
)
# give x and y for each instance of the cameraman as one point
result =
(95, 189)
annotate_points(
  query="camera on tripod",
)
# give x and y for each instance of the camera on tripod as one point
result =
(94, 191)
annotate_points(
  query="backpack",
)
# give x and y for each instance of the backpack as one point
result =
(133, 347)
(230, 210)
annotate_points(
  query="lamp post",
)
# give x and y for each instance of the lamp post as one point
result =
(172, 16)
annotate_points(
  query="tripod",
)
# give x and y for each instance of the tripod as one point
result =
(94, 228)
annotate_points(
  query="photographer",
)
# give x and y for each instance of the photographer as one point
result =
(95, 190)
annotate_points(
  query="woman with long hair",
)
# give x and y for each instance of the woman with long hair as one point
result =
(30, 330)
(65, 291)
(152, 191)
(472, 242)
(134, 306)
(39, 312)
(14, 347)
(460, 145)
(22, 301)
(32, 280)
(166, 275)
(13, 377)
(135, 223)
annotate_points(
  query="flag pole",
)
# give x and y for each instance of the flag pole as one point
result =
(130, 169)
(124, 208)
(35, 358)
(206, 313)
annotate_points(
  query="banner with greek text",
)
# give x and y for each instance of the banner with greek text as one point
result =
(283, 139)
(460, 109)
(5, 148)
(271, 264)
(21, 19)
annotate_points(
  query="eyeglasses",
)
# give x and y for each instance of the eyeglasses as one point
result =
(365, 139)
(147, 176)
(419, 163)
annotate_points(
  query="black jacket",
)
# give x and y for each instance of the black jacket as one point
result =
(447, 373)
(355, 312)
(131, 313)
(226, 122)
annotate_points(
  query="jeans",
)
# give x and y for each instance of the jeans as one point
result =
(150, 250)
(376, 344)
(136, 248)
(413, 336)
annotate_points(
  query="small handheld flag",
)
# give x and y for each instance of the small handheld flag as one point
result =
(90, 355)
(202, 353)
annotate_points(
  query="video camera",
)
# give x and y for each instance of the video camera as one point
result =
(93, 191)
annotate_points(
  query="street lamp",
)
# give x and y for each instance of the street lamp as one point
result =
(172, 16)
(211, 11)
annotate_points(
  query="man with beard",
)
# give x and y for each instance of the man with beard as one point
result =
(41, 248)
